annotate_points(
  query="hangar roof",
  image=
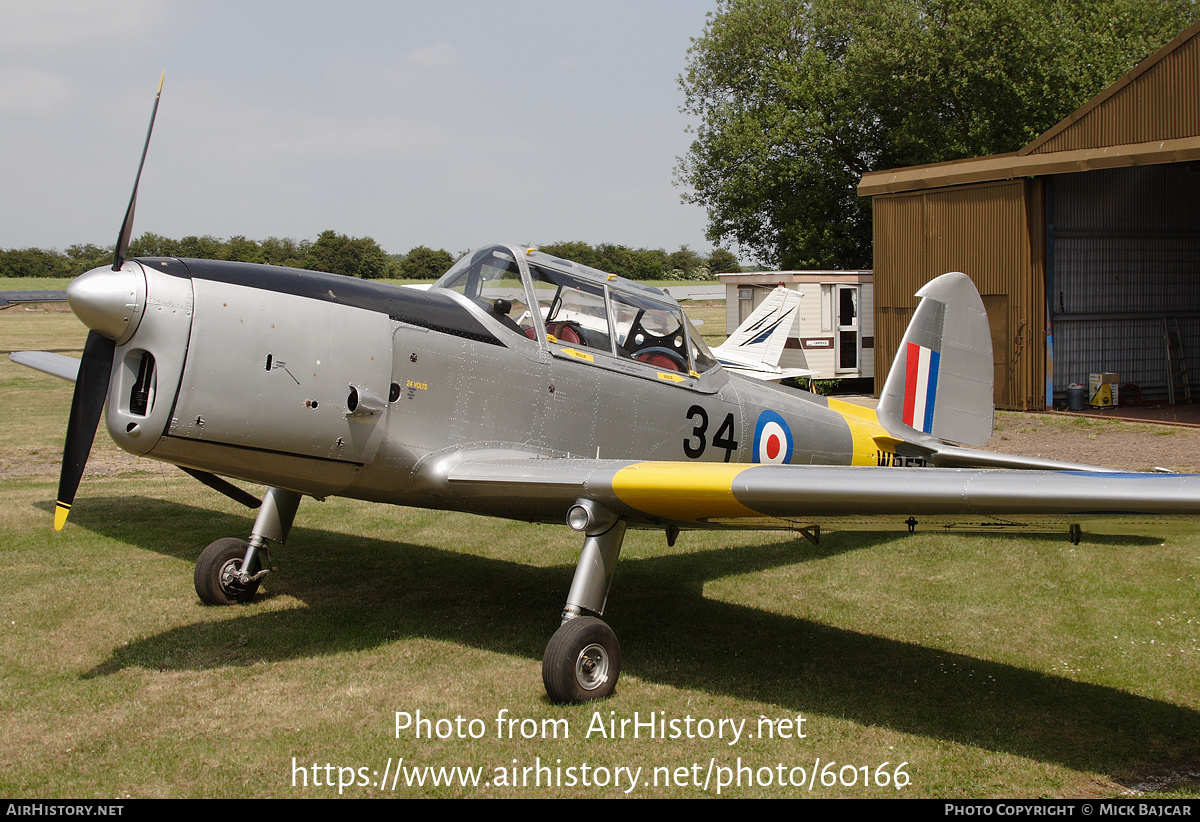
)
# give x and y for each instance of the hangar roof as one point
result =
(1151, 115)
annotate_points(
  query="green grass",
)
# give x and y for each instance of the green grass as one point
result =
(991, 666)
(712, 315)
(33, 283)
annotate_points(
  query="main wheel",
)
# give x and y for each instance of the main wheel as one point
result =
(582, 661)
(217, 570)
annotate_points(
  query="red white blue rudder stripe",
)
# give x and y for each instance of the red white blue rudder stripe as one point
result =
(920, 387)
(940, 382)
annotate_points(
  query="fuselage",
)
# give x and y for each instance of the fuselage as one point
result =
(329, 385)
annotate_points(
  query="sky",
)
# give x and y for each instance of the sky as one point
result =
(451, 124)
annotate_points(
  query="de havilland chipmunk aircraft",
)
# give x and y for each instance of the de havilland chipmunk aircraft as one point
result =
(529, 387)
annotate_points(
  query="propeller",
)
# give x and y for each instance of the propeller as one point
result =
(91, 387)
(98, 304)
(127, 225)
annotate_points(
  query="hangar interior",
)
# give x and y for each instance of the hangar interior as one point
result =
(1085, 244)
(1125, 254)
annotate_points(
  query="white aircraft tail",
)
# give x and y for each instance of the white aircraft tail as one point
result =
(756, 346)
(763, 334)
(941, 380)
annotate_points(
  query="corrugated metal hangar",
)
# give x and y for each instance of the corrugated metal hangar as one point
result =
(1085, 244)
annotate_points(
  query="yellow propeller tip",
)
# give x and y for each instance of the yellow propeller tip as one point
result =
(60, 515)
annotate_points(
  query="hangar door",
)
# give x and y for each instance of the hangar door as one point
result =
(1125, 270)
(984, 231)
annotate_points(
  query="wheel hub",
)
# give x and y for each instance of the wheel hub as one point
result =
(231, 576)
(591, 667)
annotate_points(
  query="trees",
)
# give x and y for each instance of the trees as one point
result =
(240, 250)
(285, 252)
(357, 257)
(154, 245)
(686, 264)
(423, 263)
(722, 261)
(576, 251)
(632, 263)
(202, 248)
(352, 257)
(88, 256)
(796, 99)
(33, 262)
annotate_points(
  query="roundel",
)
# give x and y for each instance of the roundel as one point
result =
(772, 439)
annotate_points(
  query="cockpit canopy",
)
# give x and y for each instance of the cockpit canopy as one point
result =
(561, 303)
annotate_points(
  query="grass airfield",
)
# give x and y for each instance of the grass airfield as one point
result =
(988, 666)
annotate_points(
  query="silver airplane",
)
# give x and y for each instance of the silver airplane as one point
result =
(533, 388)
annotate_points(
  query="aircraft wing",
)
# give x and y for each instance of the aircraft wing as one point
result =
(719, 495)
(56, 365)
(8, 298)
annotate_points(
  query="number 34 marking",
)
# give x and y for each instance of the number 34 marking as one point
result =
(694, 445)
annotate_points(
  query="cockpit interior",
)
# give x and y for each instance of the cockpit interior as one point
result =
(567, 306)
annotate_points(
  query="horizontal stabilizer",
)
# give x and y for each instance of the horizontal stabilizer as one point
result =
(952, 456)
(762, 373)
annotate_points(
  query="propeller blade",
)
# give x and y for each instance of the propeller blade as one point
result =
(91, 387)
(127, 225)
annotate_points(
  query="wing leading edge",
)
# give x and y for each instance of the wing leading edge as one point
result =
(718, 495)
(56, 365)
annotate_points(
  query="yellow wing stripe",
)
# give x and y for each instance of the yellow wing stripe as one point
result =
(681, 491)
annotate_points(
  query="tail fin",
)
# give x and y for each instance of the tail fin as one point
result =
(941, 378)
(759, 341)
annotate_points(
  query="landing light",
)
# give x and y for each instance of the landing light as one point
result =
(589, 517)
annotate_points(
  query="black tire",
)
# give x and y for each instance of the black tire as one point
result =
(214, 568)
(582, 661)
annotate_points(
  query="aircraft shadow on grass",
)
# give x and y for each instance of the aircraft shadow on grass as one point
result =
(363, 592)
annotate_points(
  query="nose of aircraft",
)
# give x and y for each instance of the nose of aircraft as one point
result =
(110, 302)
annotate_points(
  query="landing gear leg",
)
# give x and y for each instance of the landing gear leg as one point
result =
(583, 658)
(230, 570)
